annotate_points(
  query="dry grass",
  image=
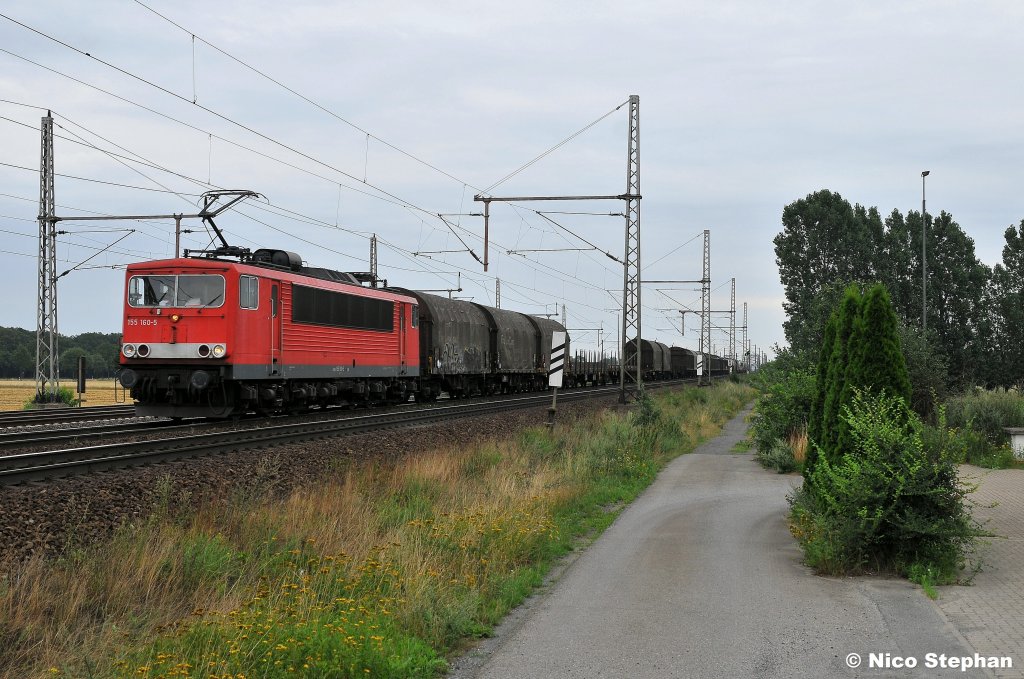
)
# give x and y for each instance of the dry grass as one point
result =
(15, 393)
(381, 569)
(798, 443)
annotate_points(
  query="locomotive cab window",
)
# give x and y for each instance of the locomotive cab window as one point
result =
(186, 290)
(248, 292)
(415, 316)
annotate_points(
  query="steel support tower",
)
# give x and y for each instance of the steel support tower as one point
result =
(630, 262)
(732, 326)
(497, 293)
(705, 310)
(631, 266)
(373, 259)
(745, 347)
(47, 360)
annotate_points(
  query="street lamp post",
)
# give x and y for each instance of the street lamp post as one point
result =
(924, 259)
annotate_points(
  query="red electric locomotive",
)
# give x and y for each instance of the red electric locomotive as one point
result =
(213, 337)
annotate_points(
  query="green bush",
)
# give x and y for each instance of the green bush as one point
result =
(782, 409)
(888, 503)
(778, 457)
(987, 412)
(927, 368)
(977, 420)
(942, 441)
(967, 445)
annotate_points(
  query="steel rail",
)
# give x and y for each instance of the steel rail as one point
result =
(38, 466)
(21, 438)
(26, 467)
(23, 418)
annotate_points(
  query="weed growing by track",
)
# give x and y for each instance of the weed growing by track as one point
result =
(384, 568)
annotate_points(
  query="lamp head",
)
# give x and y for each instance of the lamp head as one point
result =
(926, 173)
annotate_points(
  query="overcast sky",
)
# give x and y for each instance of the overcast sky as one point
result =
(744, 107)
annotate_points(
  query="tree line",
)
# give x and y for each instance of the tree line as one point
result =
(975, 313)
(18, 353)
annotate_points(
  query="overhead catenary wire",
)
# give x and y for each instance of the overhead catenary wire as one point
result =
(398, 201)
(552, 149)
(673, 251)
(87, 179)
(321, 107)
(192, 34)
(215, 113)
(183, 123)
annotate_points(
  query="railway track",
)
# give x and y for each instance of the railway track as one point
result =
(24, 418)
(37, 466)
(27, 467)
(14, 440)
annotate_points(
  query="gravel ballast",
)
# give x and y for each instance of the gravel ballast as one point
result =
(49, 518)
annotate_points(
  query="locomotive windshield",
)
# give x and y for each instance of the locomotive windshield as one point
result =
(186, 290)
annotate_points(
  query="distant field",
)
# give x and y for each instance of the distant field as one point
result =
(14, 393)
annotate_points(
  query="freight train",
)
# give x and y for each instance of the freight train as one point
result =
(212, 336)
(659, 361)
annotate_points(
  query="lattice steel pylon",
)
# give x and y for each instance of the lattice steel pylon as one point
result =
(47, 363)
(732, 327)
(373, 260)
(631, 266)
(745, 346)
(705, 309)
(497, 293)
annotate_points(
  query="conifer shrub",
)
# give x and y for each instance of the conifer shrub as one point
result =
(887, 503)
(875, 361)
(816, 415)
(846, 319)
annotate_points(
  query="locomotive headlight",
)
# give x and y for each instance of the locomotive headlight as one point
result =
(219, 350)
(175, 318)
(128, 350)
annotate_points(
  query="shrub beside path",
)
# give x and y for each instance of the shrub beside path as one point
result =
(700, 577)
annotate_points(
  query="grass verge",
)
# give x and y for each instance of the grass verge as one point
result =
(17, 394)
(384, 568)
